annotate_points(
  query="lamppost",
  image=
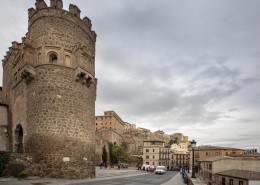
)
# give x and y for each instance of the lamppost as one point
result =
(193, 145)
(187, 162)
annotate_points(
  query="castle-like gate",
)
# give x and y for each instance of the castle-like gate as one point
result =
(49, 87)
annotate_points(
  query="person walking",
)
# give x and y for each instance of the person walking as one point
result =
(183, 172)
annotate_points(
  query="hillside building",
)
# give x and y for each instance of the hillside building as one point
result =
(220, 170)
(110, 120)
(155, 153)
(205, 152)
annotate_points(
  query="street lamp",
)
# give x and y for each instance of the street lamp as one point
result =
(187, 162)
(193, 145)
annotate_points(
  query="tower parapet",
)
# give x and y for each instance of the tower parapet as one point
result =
(57, 4)
(40, 4)
(74, 10)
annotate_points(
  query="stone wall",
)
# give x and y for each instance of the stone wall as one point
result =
(193, 181)
(61, 123)
(3, 127)
(1, 95)
(134, 144)
(110, 136)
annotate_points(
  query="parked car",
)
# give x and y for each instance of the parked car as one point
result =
(145, 167)
(123, 165)
(160, 170)
(152, 168)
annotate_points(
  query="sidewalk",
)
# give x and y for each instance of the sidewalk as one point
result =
(176, 180)
(101, 174)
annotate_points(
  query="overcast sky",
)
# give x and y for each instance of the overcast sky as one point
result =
(174, 65)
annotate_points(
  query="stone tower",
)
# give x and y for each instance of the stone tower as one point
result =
(49, 89)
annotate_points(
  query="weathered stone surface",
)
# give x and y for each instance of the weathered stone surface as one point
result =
(54, 108)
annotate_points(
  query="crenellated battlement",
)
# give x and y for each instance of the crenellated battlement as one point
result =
(40, 4)
(74, 10)
(15, 47)
(54, 4)
(57, 4)
(57, 11)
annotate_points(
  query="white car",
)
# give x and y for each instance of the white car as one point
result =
(145, 167)
(160, 170)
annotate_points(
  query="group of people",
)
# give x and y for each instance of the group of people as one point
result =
(103, 165)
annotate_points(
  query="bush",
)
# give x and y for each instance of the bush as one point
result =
(23, 174)
(13, 169)
(4, 159)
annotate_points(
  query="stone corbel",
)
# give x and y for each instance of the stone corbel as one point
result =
(27, 43)
(28, 74)
(83, 77)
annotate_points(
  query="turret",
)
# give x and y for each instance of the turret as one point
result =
(50, 76)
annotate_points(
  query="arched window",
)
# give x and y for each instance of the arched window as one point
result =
(53, 58)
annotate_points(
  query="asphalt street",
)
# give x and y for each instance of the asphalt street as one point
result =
(150, 179)
(105, 177)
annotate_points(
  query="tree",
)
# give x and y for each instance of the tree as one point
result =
(173, 141)
(124, 146)
(113, 159)
(104, 155)
(120, 153)
(117, 153)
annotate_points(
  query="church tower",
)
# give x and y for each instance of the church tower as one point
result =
(49, 87)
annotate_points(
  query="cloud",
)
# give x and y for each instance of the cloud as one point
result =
(234, 109)
(190, 67)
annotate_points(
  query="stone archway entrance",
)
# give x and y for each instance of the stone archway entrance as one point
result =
(18, 139)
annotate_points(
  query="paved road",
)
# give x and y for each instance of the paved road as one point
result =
(150, 179)
(105, 177)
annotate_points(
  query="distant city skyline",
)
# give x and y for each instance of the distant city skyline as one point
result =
(178, 66)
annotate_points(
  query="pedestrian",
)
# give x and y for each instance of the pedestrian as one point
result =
(183, 172)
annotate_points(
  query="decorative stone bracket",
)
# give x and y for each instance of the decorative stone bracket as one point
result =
(83, 76)
(28, 74)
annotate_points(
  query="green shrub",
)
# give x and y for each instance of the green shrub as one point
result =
(4, 159)
(23, 174)
(14, 168)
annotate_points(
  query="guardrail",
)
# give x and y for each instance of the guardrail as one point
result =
(193, 181)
